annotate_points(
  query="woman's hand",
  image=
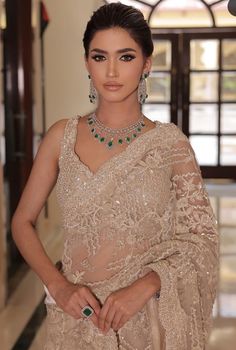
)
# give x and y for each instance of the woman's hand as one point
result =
(71, 298)
(122, 304)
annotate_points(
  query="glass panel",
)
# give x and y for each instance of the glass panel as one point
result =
(229, 54)
(227, 302)
(222, 16)
(228, 211)
(161, 59)
(145, 9)
(202, 143)
(227, 240)
(204, 54)
(210, 1)
(151, 2)
(228, 92)
(158, 87)
(228, 150)
(204, 87)
(228, 118)
(228, 274)
(181, 13)
(159, 112)
(203, 118)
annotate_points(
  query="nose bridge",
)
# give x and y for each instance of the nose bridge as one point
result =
(112, 68)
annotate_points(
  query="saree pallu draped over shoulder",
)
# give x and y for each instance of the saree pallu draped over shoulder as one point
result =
(145, 209)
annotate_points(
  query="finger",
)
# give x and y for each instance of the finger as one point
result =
(103, 314)
(93, 302)
(94, 319)
(117, 320)
(109, 318)
(77, 304)
(122, 321)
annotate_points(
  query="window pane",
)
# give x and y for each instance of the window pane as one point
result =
(202, 143)
(222, 16)
(181, 13)
(228, 92)
(228, 274)
(229, 54)
(161, 55)
(228, 118)
(158, 87)
(228, 150)
(144, 8)
(159, 112)
(203, 118)
(227, 301)
(227, 240)
(203, 87)
(204, 54)
(227, 211)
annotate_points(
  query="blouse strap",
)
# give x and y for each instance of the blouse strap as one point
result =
(70, 131)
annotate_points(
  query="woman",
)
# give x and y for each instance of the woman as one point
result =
(140, 260)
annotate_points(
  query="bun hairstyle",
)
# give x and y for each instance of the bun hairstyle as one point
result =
(122, 16)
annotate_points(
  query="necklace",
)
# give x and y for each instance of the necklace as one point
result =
(99, 130)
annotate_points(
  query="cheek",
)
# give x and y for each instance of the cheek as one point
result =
(132, 72)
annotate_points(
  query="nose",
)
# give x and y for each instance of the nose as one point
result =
(112, 69)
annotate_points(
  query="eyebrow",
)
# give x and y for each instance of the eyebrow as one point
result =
(118, 51)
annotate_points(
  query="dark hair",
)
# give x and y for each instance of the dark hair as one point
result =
(123, 16)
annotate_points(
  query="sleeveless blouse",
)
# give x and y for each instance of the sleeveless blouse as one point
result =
(144, 209)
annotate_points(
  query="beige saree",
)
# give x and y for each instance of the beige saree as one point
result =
(144, 209)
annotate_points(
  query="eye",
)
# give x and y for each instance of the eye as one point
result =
(98, 58)
(127, 58)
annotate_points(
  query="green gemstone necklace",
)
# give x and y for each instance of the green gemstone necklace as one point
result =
(99, 130)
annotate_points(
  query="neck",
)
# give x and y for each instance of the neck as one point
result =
(118, 115)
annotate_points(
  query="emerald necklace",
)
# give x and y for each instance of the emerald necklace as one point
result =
(107, 135)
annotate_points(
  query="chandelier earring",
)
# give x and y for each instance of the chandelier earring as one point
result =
(142, 88)
(92, 92)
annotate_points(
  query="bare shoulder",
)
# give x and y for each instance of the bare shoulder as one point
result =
(57, 128)
(51, 142)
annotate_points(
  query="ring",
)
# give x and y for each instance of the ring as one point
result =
(87, 311)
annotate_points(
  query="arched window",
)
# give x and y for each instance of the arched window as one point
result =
(184, 13)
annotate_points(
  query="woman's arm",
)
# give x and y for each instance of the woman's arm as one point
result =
(69, 297)
(38, 187)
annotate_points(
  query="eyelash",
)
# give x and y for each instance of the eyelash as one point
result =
(131, 57)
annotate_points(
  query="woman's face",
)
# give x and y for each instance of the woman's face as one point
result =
(115, 64)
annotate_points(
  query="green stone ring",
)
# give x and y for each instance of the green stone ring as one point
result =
(87, 311)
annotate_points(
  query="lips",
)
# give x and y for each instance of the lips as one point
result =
(112, 86)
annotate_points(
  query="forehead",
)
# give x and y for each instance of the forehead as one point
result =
(113, 39)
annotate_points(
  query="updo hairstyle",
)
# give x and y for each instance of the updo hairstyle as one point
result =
(119, 15)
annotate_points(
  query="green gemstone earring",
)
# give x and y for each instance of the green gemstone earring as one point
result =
(142, 88)
(92, 92)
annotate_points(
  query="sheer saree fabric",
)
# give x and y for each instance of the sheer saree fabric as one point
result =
(144, 209)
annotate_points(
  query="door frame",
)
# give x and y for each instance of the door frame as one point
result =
(180, 93)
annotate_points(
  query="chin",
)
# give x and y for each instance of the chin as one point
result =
(116, 98)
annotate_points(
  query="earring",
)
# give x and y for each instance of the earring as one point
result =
(92, 92)
(142, 88)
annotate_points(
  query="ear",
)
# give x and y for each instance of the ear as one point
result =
(86, 63)
(147, 64)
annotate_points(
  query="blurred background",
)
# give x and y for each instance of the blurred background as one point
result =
(192, 84)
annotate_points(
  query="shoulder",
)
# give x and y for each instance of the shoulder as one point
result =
(172, 133)
(58, 127)
(51, 142)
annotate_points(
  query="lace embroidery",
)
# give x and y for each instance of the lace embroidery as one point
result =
(146, 209)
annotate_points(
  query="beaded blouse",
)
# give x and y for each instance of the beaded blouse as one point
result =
(144, 209)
